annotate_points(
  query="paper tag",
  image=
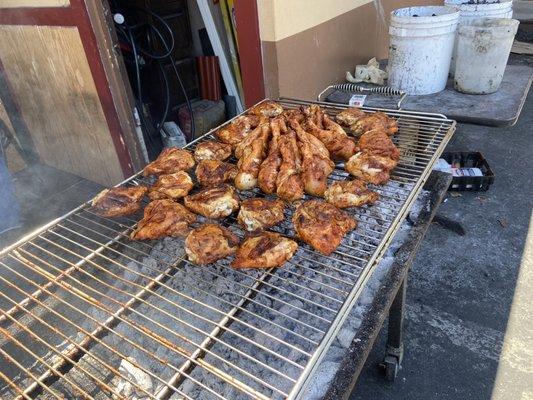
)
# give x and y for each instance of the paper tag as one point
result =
(357, 100)
(466, 172)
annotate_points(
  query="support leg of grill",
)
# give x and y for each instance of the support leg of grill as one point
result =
(394, 352)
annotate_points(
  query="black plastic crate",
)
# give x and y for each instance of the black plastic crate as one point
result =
(470, 160)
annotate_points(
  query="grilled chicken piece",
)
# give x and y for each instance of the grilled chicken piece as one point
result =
(217, 202)
(350, 116)
(322, 225)
(264, 250)
(339, 145)
(209, 243)
(350, 194)
(171, 186)
(370, 168)
(289, 184)
(215, 172)
(212, 150)
(316, 164)
(250, 162)
(268, 171)
(314, 114)
(267, 108)
(378, 143)
(237, 130)
(119, 201)
(376, 121)
(253, 135)
(171, 159)
(256, 214)
(293, 114)
(163, 218)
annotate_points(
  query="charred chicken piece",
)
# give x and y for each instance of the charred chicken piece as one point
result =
(289, 184)
(250, 162)
(268, 171)
(118, 201)
(316, 164)
(209, 243)
(322, 225)
(264, 250)
(171, 186)
(350, 116)
(237, 130)
(267, 108)
(217, 202)
(257, 214)
(370, 168)
(171, 160)
(215, 172)
(163, 218)
(212, 150)
(378, 143)
(350, 194)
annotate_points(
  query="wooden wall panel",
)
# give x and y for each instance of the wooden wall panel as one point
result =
(49, 74)
(33, 3)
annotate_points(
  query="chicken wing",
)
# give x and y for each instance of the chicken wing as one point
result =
(118, 201)
(217, 202)
(353, 193)
(264, 250)
(316, 164)
(171, 159)
(378, 143)
(163, 218)
(268, 171)
(256, 214)
(212, 150)
(267, 108)
(215, 172)
(322, 225)
(289, 184)
(209, 243)
(370, 168)
(237, 130)
(251, 160)
(171, 186)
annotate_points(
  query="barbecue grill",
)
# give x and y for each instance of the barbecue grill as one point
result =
(88, 313)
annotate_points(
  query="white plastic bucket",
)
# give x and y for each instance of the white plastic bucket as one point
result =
(491, 9)
(420, 49)
(483, 47)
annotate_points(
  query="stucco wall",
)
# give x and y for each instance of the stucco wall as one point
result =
(309, 44)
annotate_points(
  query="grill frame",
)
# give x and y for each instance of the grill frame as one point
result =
(430, 138)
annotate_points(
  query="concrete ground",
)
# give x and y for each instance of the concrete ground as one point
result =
(462, 339)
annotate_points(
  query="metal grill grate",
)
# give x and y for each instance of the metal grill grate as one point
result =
(78, 297)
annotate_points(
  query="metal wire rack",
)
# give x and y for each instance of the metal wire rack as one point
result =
(86, 313)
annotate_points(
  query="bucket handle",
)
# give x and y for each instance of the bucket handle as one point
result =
(350, 87)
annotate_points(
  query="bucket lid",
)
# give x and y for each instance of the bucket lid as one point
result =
(495, 26)
(465, 5)
(424, 15)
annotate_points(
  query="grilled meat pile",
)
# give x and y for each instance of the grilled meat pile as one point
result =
(284, 153)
